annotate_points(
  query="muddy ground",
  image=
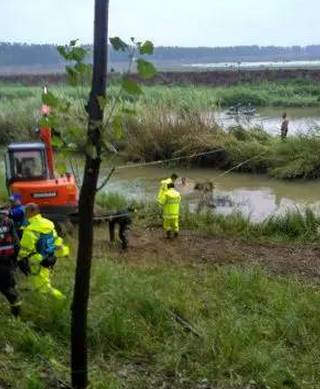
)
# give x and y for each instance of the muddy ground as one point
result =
(150, 245)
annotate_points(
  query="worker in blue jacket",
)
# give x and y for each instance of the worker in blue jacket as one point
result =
(17, 213)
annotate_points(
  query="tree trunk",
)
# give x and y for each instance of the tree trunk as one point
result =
(79, 357)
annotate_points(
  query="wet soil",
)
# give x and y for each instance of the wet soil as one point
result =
(150, 245)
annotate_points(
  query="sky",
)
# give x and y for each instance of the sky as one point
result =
(166, 22)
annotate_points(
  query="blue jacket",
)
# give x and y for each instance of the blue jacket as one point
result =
(17, 214)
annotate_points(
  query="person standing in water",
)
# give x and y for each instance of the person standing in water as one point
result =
(284, 126)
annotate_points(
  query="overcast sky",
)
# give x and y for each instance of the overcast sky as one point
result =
(166, 22)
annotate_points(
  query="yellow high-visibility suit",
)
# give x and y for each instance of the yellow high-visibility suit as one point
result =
(163, 188)
(40, 276)
(170, 202)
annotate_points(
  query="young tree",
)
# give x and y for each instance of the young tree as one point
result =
(104, 124)
(79, 359)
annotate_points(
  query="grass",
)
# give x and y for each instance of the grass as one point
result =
(293, 226)
(155, 135)
(299, 226)
(255, 329)
(179, 121)
(111, 201)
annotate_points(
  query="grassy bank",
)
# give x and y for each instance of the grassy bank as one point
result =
(254, 151)
(253, 329)
(179, 121)
(293, 226)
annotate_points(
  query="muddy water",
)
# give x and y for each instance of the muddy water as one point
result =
(254, 196)
(301, 120)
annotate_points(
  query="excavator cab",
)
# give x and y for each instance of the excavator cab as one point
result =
(30, 173)
(25, 162)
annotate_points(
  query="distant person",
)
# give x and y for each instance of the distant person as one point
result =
(170, 202)
(164, 185)
(284, 126)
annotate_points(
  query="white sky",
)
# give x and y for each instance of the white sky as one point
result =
(166, 22)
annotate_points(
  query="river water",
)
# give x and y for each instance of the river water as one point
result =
(301, 120)
(256, 65)
(255, 196)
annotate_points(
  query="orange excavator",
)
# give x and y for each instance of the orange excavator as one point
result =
(30, 174)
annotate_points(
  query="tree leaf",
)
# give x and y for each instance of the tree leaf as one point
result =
(73, 132)
(63, 52)
(49, 122)
(64, 106)
(74, 42)
(117, 128)
(118, 44)
(146, 69)
(131, 87)
(73, 53)
(78, 54)
(83, 68)
(50, 99)
(146, 47)
(72, 76)
(61, 167)
(57, 142)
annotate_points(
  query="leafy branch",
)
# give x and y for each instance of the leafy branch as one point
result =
(78, 74)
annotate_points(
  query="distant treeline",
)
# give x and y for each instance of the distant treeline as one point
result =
(17, 54)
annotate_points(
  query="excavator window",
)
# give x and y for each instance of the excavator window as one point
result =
(28, 164)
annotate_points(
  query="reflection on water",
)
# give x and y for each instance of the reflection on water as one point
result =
(301, 120)
(254, 196)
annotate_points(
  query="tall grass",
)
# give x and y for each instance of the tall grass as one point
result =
(254, 329)
(179, 121)
(111, 201)
(158, 133)
(297, 226)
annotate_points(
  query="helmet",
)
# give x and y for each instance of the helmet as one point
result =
(15, 197)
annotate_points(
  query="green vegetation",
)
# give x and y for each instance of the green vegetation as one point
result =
(254, 329)
(111, 201)
(179, 121)
(153, 136)
(300, 226)
(293, 226)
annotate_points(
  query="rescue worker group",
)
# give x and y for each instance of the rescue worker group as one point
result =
(30, 243)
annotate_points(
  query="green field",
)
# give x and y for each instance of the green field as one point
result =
(249, 327)
(157, 319)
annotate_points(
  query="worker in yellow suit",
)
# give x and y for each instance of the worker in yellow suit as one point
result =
(170, 202)
(164, 185)
(39, 248)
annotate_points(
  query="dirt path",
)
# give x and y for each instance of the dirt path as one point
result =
(195, 247)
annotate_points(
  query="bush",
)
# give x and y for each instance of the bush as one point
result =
(243, 96)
